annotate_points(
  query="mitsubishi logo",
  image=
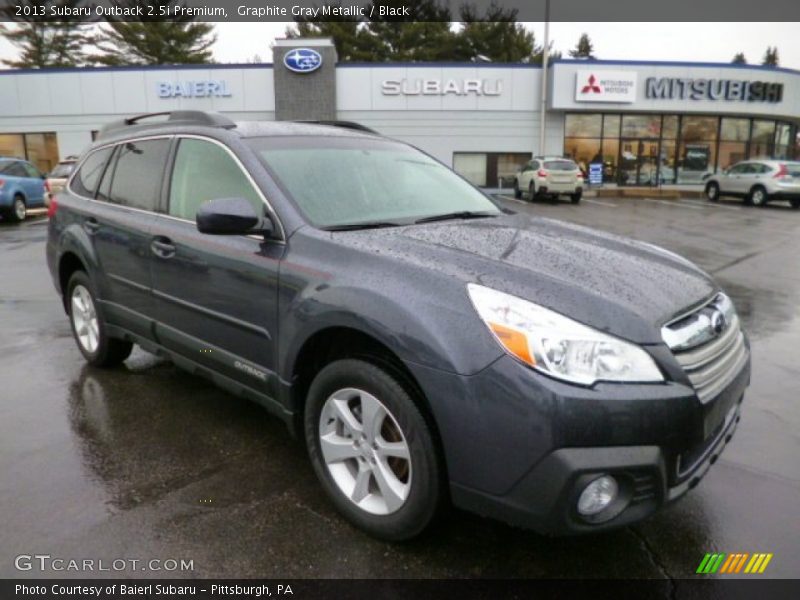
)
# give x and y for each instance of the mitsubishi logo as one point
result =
(592, 86)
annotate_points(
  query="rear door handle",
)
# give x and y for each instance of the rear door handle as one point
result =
(91, 225)
(162, 247)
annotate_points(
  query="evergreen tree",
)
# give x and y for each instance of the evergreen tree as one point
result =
(584, 48)
(771, 57)
(739, 59)
(45, 43)
(424, 35)
(497, 36)
(151, 41)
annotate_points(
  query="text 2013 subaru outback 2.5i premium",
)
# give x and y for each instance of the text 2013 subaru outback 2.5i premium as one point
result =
(427, 345)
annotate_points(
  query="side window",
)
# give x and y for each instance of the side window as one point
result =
(761, 168)
(85, 181)
(205, 171)
(31, 171)
(16, 170)
(138, 173)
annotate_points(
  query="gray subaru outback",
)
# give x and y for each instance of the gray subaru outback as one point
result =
(427, 345)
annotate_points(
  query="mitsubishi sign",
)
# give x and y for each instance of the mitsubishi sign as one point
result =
(729, 90)
(605, 86)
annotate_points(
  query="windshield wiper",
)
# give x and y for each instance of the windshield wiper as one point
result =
(463, 214)
(363, 225)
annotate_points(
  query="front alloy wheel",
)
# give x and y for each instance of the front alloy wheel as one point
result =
(712, 192)
(365, 452)
(372, 449)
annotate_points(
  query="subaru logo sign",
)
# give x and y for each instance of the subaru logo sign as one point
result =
(302, 60)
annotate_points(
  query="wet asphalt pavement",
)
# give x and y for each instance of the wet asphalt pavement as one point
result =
(148, 462)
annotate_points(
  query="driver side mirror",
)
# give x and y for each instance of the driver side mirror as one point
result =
(232, 216)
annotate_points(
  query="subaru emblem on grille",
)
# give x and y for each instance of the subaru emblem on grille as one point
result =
(718, 321)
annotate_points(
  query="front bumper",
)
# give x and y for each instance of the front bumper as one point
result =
(520, 447)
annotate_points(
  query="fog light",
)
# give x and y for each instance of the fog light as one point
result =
(598, 495)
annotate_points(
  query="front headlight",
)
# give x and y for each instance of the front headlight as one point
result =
(557, 345)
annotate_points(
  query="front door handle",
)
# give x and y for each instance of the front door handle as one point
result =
(91, 225)
(162, 247)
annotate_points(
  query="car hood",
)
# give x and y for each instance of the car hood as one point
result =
(621, 286)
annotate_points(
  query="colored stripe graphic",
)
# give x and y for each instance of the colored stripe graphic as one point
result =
(719, 562)
(711, 562)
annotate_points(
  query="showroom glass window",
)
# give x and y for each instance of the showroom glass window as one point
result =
(488, 169)
(41, 149)
(205, 171)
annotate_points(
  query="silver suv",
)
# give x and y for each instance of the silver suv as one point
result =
(549, 176)
(758, 182)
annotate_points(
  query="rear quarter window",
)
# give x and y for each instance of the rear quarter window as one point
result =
(62, 171)
(86, 179)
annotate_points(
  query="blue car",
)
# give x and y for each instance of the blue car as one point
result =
(21, 188)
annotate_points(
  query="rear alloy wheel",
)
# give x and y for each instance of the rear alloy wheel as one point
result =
(712, 192)
(18, 209)
(372, 450)
(758, 196)
(88, 328)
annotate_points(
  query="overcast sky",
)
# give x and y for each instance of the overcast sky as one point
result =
(701, 42)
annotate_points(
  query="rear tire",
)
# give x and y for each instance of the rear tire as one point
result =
(712, 192)
(576, 197)
(355, 412)
(758, 196)
(88, 326)
(531, 192)
(18, 210)
(517, 191)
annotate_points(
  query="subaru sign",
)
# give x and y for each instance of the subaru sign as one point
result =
(302, 60)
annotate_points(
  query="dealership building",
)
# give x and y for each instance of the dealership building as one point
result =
(647, 122)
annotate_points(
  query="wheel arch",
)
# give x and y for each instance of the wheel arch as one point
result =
(340, 342)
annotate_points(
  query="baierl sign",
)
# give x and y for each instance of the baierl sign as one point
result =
(442, 87)
(605, 86)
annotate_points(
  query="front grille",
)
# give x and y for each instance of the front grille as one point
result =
(710, 357)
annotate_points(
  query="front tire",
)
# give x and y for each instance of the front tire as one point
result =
(712, 192)
(758, 196)
(795, 202)
(372, 450)
(88, 327)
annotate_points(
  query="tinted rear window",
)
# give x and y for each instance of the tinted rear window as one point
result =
(138, 172)
(560, 165)
(85, 181)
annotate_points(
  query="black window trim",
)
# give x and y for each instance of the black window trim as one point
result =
(160, 212)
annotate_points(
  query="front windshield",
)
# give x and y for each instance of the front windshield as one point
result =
(339, 181)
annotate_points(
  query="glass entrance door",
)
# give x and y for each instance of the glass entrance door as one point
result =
(638, 162)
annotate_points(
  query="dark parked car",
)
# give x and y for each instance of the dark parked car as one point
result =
(21, 187)
(427, 345)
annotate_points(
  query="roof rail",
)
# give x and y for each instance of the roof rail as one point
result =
(174, 117)
(342, 124)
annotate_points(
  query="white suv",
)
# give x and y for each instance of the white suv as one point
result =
(549, 176)
(758, 182)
